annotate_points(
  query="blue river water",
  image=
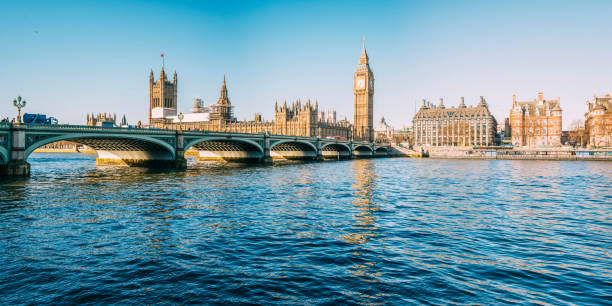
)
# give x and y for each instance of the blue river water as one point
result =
(382, 231)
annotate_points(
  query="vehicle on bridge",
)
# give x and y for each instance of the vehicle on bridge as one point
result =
(38, 119)
(336, 137)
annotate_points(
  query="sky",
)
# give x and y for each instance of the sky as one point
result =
(70, 58)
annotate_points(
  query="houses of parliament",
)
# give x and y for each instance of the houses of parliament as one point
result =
(299, 118)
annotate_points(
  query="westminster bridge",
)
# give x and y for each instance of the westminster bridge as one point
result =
(166, 148)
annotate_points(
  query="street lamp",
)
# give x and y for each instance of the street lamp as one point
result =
(19, 104)
(180, 118)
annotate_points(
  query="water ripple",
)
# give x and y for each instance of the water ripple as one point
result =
(385, 231)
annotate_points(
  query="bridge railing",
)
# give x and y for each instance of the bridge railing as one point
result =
(96, 128)
(86, 128)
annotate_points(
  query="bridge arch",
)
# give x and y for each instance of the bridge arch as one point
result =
(382, 151)
(293, 149)
(361, 151)
(335, 151)
(120, 149)
(226, 149)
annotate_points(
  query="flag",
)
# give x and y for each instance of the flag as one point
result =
(162, 55)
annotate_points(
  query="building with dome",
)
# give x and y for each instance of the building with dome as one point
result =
(383, 132)
(454, 126)
(536, 123)
(598, 121)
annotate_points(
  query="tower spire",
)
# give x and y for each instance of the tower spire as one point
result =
(363, 59)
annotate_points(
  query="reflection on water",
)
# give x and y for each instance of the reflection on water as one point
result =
(383, 231)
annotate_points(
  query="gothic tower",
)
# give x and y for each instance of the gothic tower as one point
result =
(363, 88)
(162, 96)
(222, 110)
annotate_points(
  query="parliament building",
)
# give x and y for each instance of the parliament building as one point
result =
(454, 126)
(298, 118)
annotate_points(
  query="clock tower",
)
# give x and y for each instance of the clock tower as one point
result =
(363, 88)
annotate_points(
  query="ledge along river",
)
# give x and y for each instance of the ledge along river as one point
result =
(379, 231)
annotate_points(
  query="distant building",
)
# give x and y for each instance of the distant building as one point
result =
(403, 135)
(598, 121)
(536, 123)
(102, 119)
(295, 119)
(455, 126)
(578, 137)
(383, 132)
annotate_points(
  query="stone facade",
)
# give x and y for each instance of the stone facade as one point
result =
(101, 119)
(598, 121)
(162, 97)
(536, 123)
(363, 88)
(295, 119)
(455, 126)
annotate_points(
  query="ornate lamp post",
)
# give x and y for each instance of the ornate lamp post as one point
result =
(180, 118)
(19, 104)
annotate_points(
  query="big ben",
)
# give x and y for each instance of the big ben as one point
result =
(363, 87)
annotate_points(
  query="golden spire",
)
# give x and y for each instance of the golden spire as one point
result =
(363, 59)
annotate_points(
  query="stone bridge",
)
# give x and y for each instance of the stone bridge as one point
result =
(166, 148)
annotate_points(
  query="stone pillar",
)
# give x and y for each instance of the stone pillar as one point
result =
(266, 157)
(319, 151)
(17, 164)
(180, 161)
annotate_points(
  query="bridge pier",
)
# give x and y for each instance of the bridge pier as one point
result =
(16, 165)
(267, 159)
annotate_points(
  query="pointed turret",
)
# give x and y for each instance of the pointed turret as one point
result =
(162, 75)
(174, 78)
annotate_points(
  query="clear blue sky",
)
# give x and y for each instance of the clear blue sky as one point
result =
(70, 58)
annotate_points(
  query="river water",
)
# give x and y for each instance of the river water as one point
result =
(382, 231)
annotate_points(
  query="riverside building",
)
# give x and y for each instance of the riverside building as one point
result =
(598, 121)
(454, 126)
(536, 123)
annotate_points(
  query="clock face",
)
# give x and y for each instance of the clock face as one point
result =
(360, 83)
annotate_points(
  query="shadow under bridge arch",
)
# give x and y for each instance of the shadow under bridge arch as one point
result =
(227, 149)
(362, 151)
(382, 151)
(293, 149)
(120, 149)
(336, 151)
